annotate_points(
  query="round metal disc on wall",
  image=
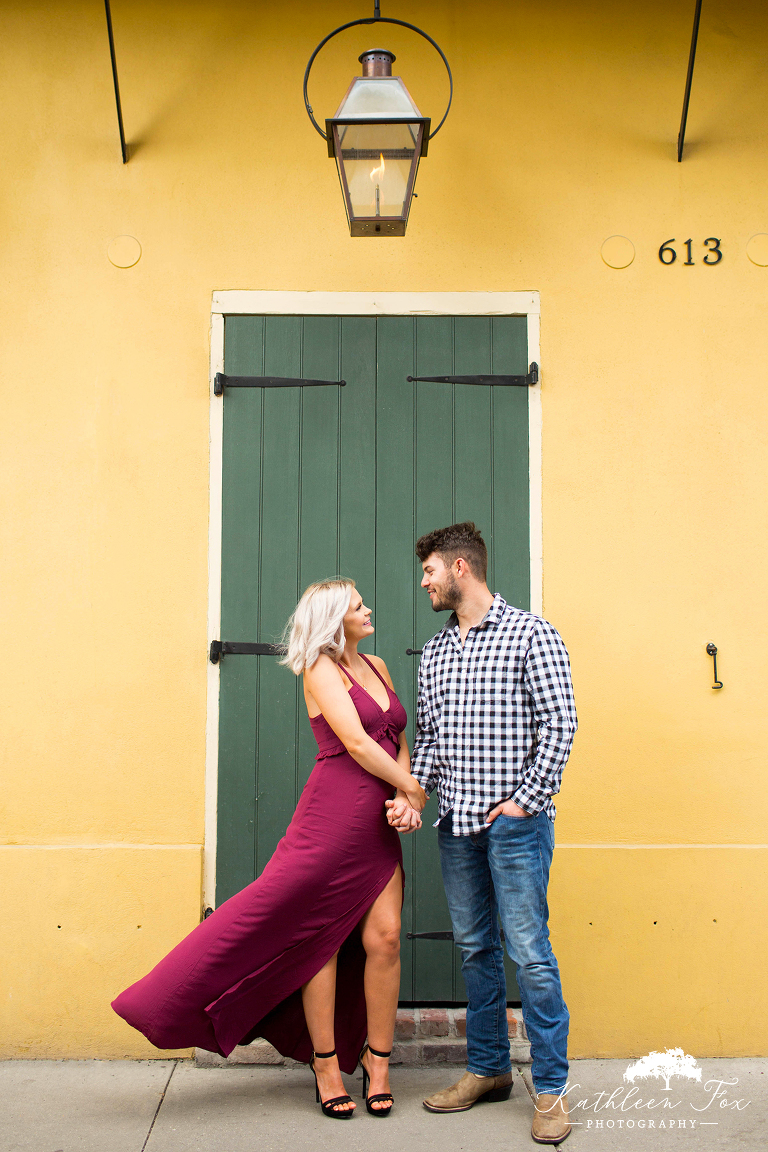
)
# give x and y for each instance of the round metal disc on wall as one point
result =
(617, 252)
(124, 251)
(757, 249)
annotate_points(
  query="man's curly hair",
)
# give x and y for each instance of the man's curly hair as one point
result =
(458, 540)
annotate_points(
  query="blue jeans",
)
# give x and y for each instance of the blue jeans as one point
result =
(502, 873)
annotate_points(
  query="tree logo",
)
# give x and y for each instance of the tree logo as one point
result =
(663, 1066)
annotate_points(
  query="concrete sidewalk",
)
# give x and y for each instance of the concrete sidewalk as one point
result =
(174, 1106)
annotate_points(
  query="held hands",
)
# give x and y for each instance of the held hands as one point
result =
(403, 813)
(508, 808)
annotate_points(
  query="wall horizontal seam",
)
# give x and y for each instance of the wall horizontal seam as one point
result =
(199, 847)
(106, 844)
(656, 846)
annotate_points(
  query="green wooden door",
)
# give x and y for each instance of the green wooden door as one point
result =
(325, 481)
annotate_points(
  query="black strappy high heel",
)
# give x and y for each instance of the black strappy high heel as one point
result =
(328, 1105)
(379, 1095)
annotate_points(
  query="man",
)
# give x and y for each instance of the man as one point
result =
(496, 720)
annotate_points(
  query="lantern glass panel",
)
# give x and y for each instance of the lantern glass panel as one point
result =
(377, 160)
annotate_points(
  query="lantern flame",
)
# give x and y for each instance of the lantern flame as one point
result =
(377, 173)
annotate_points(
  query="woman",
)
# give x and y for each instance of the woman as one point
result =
(326, 909)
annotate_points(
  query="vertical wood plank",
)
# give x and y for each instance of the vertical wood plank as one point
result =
(318, 528)
(319, 451)
(394, 618)
(473, 475)
(278, 583)
(357, 481)
(509, 542)
(434, 451)
(432, 959)
(241, 500)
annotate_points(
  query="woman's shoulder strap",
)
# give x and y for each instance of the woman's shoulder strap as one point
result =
(372, 665)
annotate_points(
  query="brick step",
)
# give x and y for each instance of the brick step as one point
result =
(423, 1036)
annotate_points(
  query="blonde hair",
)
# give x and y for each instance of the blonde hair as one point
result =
(317, 624)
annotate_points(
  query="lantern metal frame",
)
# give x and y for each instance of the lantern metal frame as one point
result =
(377, 18)
(376, 225)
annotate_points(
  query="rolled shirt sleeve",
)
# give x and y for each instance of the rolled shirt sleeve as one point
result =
(423, 758)
(547, 680)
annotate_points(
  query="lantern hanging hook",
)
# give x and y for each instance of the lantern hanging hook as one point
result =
(377, 18)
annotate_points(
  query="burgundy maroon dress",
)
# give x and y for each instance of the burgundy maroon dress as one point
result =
(238, 975)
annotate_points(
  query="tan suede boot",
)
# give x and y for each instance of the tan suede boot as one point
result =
(471, 1089)
(550, 1119)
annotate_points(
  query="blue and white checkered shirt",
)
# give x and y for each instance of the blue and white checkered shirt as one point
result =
(495, 717)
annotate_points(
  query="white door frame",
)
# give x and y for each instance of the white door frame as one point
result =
(258, 303)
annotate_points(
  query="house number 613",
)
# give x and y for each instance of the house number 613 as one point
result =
(714, 255)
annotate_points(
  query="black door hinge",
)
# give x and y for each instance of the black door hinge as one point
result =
(499, 380)
(221, 648)
(221, 381)
(429, 935)
(437, 935)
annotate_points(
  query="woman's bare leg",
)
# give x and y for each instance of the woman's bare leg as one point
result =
(318, 996)
(380, 930)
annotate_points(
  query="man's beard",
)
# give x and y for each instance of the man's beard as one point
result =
(449, 596)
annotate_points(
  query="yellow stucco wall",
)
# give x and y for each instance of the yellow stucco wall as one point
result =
(654, 408)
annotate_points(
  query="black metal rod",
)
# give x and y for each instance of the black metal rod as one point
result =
(712, 651)
(688, 81)
(123, 148)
